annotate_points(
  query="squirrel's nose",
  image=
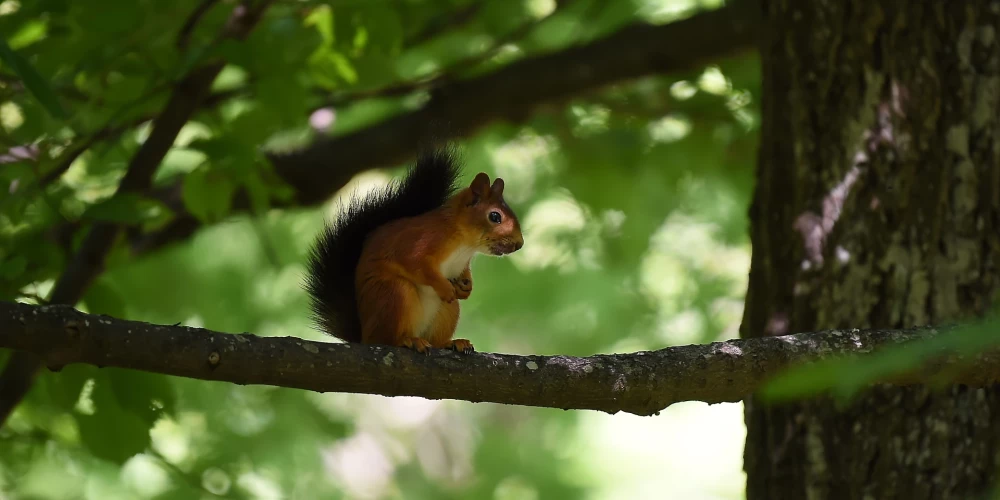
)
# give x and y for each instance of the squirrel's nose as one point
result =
(518, 244)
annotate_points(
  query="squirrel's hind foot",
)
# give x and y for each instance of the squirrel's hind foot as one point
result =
(463, 346)
(417, 344)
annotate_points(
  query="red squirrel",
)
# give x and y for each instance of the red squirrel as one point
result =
(393, 265)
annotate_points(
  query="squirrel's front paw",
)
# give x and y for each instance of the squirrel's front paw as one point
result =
(463, 287)
(417, 344)
(448, 296)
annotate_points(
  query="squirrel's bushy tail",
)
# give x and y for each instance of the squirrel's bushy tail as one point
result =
(334, 257)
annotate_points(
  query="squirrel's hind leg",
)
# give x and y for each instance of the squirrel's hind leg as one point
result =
(387, 308)
(443, 328)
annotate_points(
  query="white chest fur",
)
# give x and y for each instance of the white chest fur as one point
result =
(430, 303)
(453, 266)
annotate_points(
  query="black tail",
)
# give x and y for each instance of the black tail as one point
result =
(334, 258)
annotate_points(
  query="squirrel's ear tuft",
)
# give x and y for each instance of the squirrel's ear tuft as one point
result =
(480, 185)
(497, 189)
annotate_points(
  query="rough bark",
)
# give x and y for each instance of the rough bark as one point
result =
(641, 383)
(877, 206)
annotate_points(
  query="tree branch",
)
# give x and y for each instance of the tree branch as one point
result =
(184, 36)
(459, 108)
(443, 75)
(641, 383)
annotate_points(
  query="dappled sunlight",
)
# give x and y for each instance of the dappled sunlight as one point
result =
(51, 476)
(520, 162)
(261, 486)
(539, 9)
(175, 439)
(685, 254)
(251, 409)
(695, 242)
(438, 436)
(145, 476)
(682, 90)
(515, 488)
(360, 465)
(359, 186)
(691, 450)
(714, 82)
(670, 128)
(728, 311)
(685, 327)
(665, 278)
(8, 7)
(665, 11)
(544, 226)
(590, 120)
(10, 116)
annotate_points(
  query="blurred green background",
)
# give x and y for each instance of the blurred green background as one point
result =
(633, 201)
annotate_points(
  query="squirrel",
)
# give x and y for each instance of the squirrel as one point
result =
(391, 268)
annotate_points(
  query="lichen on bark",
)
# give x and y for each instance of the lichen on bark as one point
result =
(904, 98)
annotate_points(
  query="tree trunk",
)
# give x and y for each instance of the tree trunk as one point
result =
(877, 205)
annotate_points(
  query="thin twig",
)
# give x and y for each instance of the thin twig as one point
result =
(184, 36)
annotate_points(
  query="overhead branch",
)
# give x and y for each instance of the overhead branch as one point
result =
(446, 74)
(641, 383)
(514, 91)
(184, 37)
(459, 108)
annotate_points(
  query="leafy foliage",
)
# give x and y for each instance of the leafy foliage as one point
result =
(633, 202)
(845, 376)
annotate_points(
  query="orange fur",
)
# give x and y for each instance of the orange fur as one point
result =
(413, 271)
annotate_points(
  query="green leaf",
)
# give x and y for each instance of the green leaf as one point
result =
(104, 298)
(113, 432)
(113, 435)
(330, 67)
(64, 387)
(207, 194)
(126, 208)
(30, 33)
(844, 376)
(147, 395)
(284, 99)
(233, 152)
(258, 193)
(322, 18)
(32, 80)
(13, 267)
(125, 89)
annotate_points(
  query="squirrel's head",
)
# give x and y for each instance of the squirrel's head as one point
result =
(486, 209)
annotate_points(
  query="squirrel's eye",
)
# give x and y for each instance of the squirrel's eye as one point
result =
(495, 217)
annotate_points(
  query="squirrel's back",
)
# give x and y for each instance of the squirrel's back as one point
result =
(333, 260)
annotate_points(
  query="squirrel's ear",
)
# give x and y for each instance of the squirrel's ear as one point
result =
(497, 190)
(480, 185)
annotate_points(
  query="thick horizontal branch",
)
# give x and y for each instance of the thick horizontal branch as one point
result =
(641, 383)
(459, 108)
